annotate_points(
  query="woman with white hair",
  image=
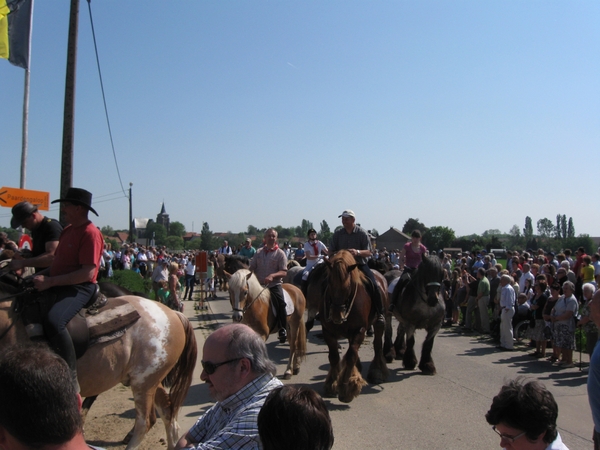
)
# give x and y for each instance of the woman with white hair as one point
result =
(564, 325)
(589, 327)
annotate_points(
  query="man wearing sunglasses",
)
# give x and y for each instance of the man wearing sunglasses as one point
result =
(524, 416)
(239, 375)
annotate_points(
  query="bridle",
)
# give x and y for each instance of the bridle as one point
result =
(351, 300)
(248, 305)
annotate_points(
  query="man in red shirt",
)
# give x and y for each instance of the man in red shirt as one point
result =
(73, 272)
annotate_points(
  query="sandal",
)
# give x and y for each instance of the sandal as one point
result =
(552, 359)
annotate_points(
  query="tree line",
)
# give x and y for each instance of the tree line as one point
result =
(554, 236)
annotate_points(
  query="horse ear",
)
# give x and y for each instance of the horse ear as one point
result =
(249, 276)
(352, 267)
(227, 274)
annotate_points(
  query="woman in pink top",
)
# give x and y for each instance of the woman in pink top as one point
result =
(413, 251)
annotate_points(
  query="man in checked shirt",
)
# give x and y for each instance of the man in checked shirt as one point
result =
(239, 375)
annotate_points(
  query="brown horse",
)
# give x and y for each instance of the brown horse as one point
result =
(219, 261)
(251, 305)
(157, 350)
(345, 308)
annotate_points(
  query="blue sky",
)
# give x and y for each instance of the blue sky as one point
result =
(466, 114)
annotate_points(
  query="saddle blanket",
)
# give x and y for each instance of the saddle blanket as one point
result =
(116, 316)
(392, 285)
(289, 304)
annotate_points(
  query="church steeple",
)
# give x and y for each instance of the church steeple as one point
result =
(163, 218)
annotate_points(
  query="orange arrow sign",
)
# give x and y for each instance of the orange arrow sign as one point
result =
(9, 197)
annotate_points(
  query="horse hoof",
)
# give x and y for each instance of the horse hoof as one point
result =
(428, 369)
(296, 370)
(287, 375)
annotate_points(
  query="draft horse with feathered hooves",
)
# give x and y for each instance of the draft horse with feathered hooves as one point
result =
(346, 310)
(419, 305)
(158, 350)
(251, 303)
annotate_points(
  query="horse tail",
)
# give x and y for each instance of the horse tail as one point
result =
(179, 378)
(301, 341)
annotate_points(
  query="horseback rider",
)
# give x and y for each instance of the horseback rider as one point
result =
(45, 233)
(410, 256)
(313, 249)
(356, 240)
(71, 278)
(270, 266)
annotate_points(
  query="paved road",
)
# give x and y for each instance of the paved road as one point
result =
(411, 411)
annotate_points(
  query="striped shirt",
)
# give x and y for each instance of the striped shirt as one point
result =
(232, 423)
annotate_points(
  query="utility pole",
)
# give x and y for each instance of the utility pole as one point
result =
(66, 172)
(130, 216)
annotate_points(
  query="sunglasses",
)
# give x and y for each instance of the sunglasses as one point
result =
(211, 368)
(509, 438)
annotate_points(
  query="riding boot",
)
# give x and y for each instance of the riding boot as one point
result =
(282, 322)
(62, 344)
(378, 303)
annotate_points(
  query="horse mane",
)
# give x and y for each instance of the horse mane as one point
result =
(339, 274)
(292, 263)
(238, 280)
(429, 270)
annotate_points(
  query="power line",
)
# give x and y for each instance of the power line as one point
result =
(104, 98)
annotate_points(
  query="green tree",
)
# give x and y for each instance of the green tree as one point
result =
(107, 230)
(176, 229)
(491, 232)
(206, 237)
(528, 230)
(174, 243)
(570, 228)
(563, 226)
(252, 230)
(12, 234)
(157, 232)
(545, 227)
(515, 240)
(438, 238)
(558, 229)
(325, 233)
(412, 225)
(374, 233)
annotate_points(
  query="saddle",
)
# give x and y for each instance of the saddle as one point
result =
(100, 320)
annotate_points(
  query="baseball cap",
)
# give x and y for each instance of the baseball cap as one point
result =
(348, 213)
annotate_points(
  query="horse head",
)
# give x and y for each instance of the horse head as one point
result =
(432, 275)
(239, 289)
(344, 279)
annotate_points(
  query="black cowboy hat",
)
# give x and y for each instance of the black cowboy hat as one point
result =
(78, 196)
(20, 212)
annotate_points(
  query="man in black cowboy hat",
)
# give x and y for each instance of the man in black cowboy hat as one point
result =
(45, 233)
(73, 272)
